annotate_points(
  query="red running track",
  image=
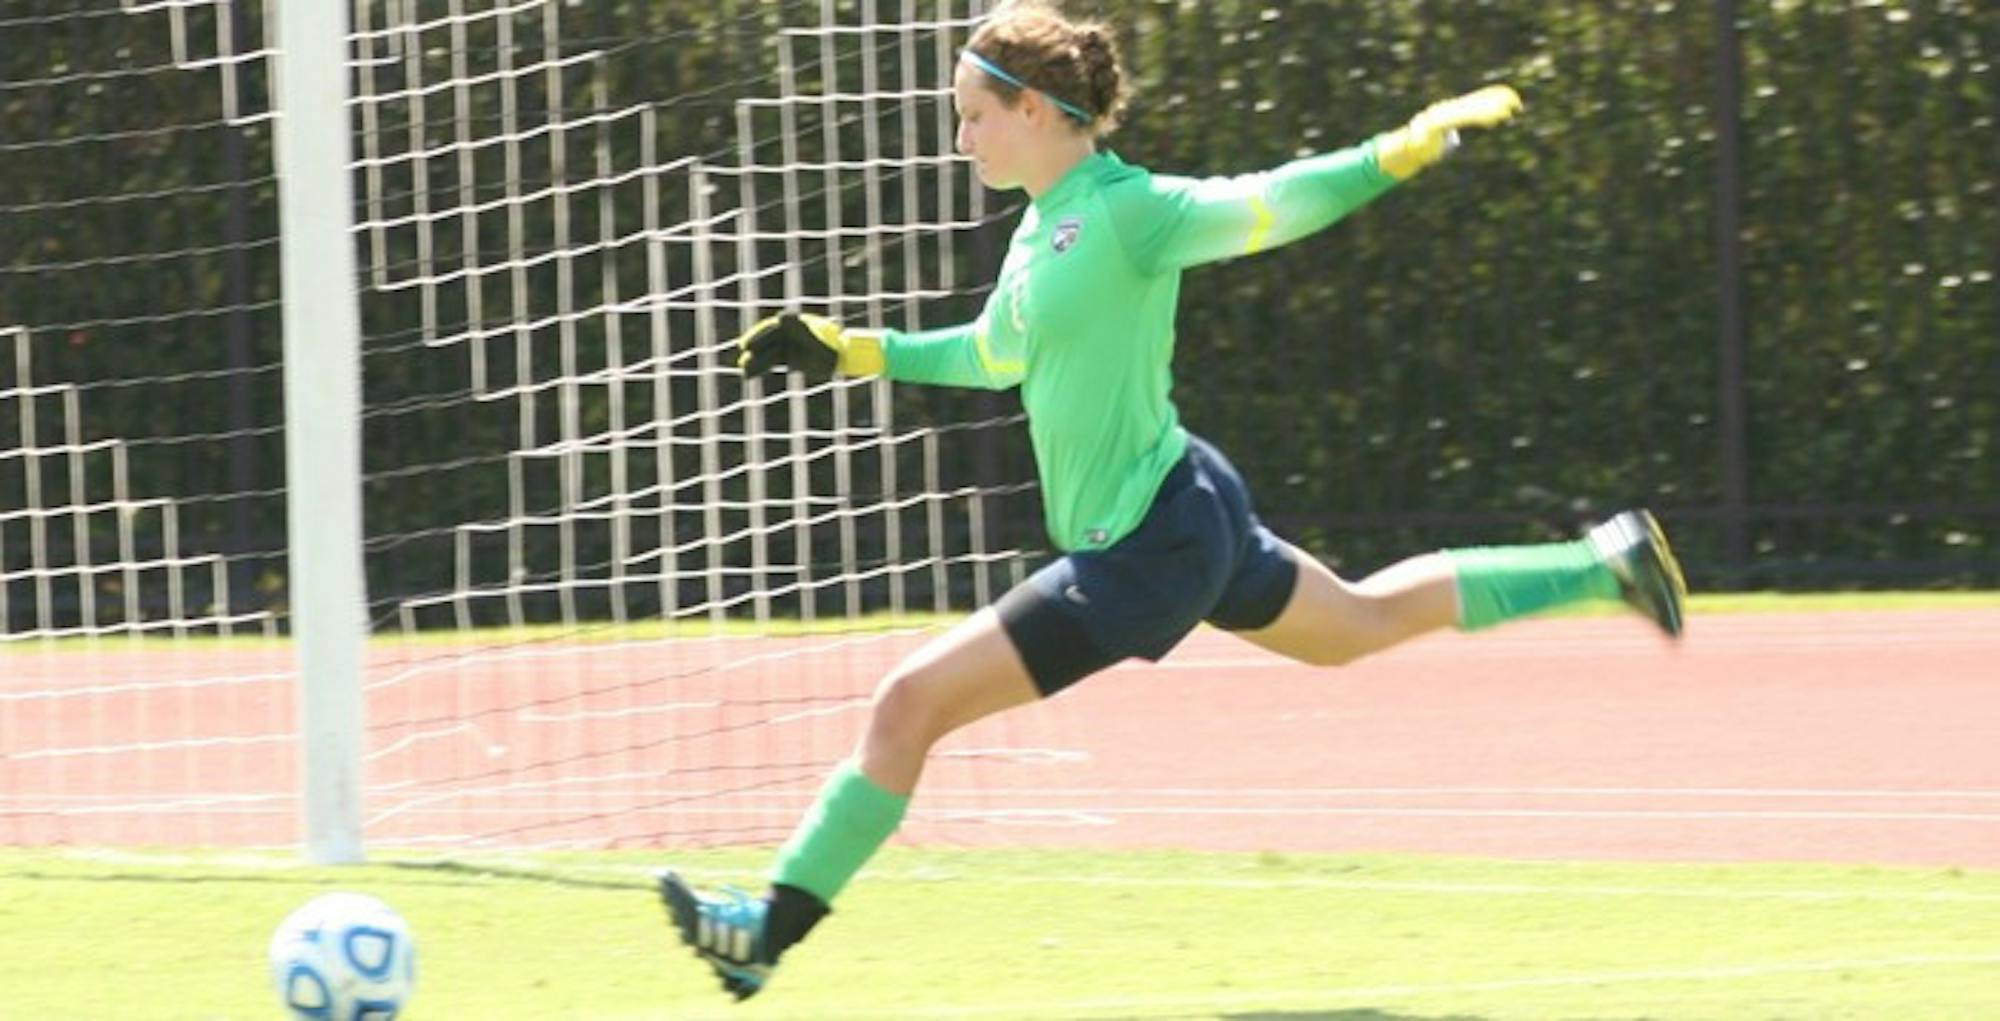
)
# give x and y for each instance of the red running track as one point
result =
(1847, 737)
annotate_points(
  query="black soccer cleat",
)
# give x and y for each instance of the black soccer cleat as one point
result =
(1632, 545)
(726, 932)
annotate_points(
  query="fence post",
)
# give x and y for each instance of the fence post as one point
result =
(1732, 411)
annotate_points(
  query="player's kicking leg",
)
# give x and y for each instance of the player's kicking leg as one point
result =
(1328, 621)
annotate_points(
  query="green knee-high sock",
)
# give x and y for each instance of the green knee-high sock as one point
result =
(1500, 583)
(846, 826)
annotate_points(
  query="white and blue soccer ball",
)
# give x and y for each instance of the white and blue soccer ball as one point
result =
(344, 957)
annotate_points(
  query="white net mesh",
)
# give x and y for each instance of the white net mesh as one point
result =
(144, 695)
(623, 525)
(618, 592)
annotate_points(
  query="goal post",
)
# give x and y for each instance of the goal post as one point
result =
(322, 386)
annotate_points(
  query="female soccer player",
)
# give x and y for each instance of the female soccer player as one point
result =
(1156, 526)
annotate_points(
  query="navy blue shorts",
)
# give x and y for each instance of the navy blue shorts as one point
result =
(1200, 554)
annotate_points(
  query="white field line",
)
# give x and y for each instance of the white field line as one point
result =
(186, 744)
(144, 687)
(476, 737)
(650, 709)
(162, 804)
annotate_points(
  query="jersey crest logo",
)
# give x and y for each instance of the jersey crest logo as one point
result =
(1066, 234)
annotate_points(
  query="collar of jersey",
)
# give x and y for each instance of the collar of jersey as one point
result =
(1085, 171)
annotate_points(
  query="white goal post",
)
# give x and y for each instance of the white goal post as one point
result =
(322, 359)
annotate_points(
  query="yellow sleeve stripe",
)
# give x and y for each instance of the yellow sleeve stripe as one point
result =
(1262, 228)
(991, 364)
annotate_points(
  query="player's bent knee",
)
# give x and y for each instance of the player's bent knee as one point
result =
(905, 712)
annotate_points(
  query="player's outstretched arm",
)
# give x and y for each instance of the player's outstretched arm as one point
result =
(1434, 132)
(814, 345)
(817, 346)
(1178, 223)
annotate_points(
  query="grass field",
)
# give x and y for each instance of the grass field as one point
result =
(1040, 934)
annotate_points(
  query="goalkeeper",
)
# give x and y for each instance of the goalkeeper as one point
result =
(1156, 527)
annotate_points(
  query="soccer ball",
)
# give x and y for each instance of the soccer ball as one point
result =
(344, 957)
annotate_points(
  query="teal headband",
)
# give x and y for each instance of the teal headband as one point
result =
(996, 71)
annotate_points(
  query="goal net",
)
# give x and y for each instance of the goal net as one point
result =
(640, 599)
(617, 593)
(143, 692)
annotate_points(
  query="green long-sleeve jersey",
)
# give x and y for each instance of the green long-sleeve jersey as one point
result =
(1082, 318)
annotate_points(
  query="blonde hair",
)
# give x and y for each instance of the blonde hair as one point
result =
(1073, 62)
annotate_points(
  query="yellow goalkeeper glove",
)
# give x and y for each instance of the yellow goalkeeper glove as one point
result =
(814, 345)
(1434, 132)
